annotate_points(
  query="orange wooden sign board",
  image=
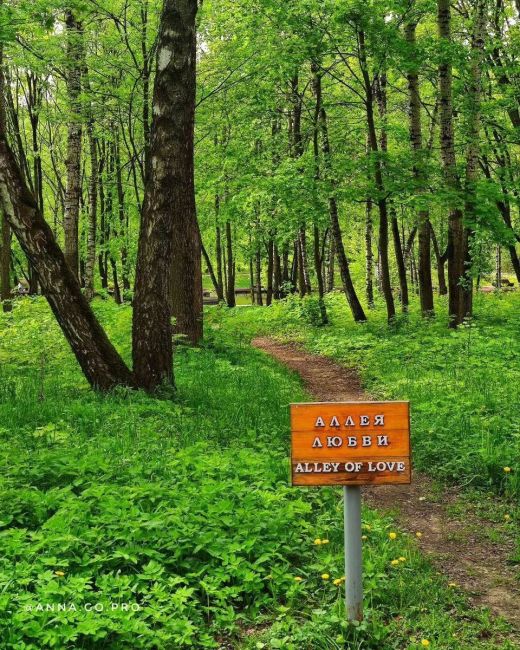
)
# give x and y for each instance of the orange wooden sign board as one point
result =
(350, 443)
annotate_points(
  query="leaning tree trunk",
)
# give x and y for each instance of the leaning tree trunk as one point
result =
(100, 362)
(73, 162)
(169, 228)
(425, 270)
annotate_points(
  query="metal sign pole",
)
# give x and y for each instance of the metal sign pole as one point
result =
(353, 555)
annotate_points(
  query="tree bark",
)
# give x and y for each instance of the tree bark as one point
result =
(346, 278)
(168, 259)
(378, 177)
(100, 362)
(73, 162)
(92, 214)
(230, 289)
(423, 217)
(457, 239)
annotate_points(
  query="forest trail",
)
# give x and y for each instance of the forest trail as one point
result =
(457, 542)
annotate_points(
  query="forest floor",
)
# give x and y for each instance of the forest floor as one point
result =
(460, 539)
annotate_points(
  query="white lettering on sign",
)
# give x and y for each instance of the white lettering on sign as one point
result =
(334, 441)
(364, 421)
(350, 466)
(316, 443)
(316, 467)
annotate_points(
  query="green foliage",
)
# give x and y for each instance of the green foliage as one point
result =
(464, 385)
(133, 522)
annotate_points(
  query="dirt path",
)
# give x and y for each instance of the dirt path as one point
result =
(460, 542)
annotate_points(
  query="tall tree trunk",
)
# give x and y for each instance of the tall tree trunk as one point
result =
(472, 153)
(258, 278)
(277, 274)
(369, 256)
(123, 230)
(399, 258)
(331, 261)
(441, 259)
(73, 163)
(270, 270)
(92, 214)
(218, 252)
(456, 231)
(379, 183)
(346, 278)
(169, 230)
(230, 290)
(318, 268)
(425, 271)
(211, 272)
(5, 263)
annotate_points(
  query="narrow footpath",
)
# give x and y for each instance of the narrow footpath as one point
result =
(454, 534)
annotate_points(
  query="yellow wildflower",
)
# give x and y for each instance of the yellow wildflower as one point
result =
(394, 562)
(452, 584)
(507, 470)
(298, 579)
(507, 517)
(337, 582)
(425, 643)
(325, 576)
(418, 535)
(59, 573)
(392, 535)
(364, 538)
(324, 541)
(402, 559)
(317, 542)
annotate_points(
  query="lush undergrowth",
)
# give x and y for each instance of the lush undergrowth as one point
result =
(133, 522)
(464, 386)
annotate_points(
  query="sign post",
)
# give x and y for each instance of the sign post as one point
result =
(351, 444)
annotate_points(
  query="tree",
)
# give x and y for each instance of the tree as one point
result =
(169, 230)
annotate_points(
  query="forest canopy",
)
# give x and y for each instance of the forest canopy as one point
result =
(371, 147)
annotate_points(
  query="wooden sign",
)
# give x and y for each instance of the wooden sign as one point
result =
(350, 443)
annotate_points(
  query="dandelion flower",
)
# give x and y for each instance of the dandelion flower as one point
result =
(337, 582)
(402, 559)
(59, 573)
(324, 541)
(425, 643)
(418, 535)
(452, 584)
(325, 576)
(392, 535)
(364, 538)
(317, 542)
(366, 527)
(394, 562)
(507, 470)
(507, 517)
(298, 579)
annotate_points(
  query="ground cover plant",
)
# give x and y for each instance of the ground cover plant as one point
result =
(464, 385)
(167, 522)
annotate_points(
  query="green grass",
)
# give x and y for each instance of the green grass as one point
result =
(464, 386)
(180, 509)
